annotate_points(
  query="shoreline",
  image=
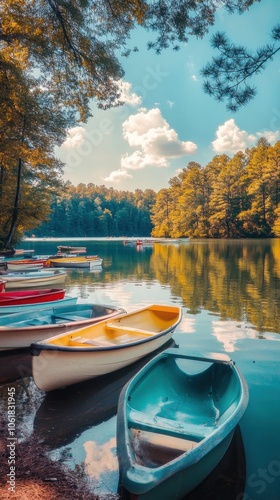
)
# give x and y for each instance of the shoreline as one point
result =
(37, 476)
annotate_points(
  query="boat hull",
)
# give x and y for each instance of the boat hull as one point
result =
(20, 330)
(24, 267)
(26, 264)
(78, 262)
(180, 484)
(31, 280)
(31, 296)
(6, 310)
(57, 364)
(170, 438)
(70, 249)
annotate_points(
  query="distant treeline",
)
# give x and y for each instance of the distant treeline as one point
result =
(90, 210)
(228, 198)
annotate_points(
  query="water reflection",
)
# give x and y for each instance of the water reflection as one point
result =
(27, 400)
(239, 280)
(65, 414)
(230, 291)
(100, 458)
(229, 333)
(230, 278)
(14, 364)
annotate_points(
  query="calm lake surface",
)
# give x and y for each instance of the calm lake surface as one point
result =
(230, 295)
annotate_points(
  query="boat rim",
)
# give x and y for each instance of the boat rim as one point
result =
(37, 347)
(5, 328)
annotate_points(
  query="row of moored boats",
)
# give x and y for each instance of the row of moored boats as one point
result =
(176, 417)
(45, 271)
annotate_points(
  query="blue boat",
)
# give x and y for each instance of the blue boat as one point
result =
(19, 330)
(176, 419)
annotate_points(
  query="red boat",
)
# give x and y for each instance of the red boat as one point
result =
(2, 286)
(31, 296)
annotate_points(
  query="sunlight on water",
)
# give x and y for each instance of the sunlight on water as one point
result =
(229, 292)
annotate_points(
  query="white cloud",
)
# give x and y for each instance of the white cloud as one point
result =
(127, 96)
(139, 160)
(191, 69)
(269, 135)
(155, 139)
(231, 139)
(117, 176)
(76, 136)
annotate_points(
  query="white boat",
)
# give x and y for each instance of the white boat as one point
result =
(71, 249)
(78, 261)
(102, 348)
(22, 251)
(14, 266)
(30, 279)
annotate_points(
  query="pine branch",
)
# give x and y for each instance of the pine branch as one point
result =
(228, 74)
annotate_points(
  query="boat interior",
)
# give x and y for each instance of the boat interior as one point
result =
(53, 317)
(186, 408)
(120, 330)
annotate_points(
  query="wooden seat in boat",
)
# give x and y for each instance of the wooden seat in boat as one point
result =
(71, 317)
(114, 326)
(76, 341)
(163, 425)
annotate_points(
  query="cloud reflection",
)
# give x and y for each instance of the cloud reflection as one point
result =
(187, 325)
(100, 458)
(229, 332)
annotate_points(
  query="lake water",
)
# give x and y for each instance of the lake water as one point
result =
(230, 295)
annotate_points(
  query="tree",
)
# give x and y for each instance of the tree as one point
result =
(75, 43)
(228, 75)
(56, 56)
(226, 199)
(273, 167)
(161, 214)
(192, 203)
(68, 48)
(28, 126)
(258, 179)
(51, 65)
(89, 210)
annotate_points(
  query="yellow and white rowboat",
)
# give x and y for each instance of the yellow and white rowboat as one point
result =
(102, 348)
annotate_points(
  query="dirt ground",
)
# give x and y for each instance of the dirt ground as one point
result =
(37, 477)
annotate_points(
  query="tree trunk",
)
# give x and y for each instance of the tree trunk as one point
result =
(1, 180)
(16, 205)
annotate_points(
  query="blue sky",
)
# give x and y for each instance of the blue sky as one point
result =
(168, 120)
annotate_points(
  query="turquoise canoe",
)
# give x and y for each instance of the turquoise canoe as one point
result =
(21, 329)
(176, 419)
